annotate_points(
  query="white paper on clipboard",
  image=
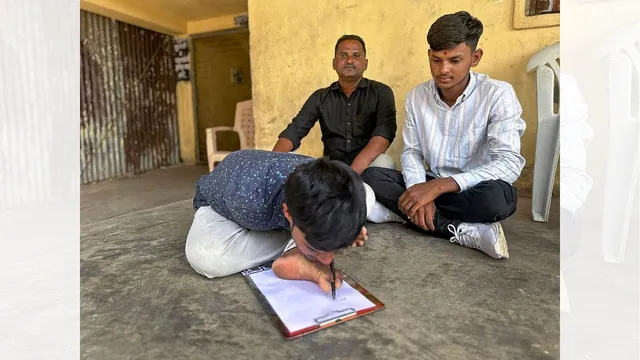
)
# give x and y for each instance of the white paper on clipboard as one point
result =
(300, 304)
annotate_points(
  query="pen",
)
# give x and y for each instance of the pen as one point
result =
(333, 282)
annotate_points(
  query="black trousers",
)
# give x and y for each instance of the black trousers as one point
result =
(488, 201)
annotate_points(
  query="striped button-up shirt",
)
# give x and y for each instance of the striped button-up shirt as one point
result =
(476, 139)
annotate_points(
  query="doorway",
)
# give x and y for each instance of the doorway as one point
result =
(222, 79)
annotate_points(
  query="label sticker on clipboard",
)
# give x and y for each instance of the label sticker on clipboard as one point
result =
(335, 316)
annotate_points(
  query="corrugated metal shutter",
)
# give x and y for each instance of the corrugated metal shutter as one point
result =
(217, 96)
(128, 120)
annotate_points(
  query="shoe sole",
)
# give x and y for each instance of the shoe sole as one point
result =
(501, 246)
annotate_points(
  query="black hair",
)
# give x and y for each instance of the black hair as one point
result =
(453, 29)
(350, 37)
(326, 201)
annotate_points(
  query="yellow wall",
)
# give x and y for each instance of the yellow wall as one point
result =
(212, 24)
(186, 122)
(292, 47)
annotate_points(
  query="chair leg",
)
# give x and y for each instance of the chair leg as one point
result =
(545, 167)
(547, 146)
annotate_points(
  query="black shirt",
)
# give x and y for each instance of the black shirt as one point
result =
(347, 124)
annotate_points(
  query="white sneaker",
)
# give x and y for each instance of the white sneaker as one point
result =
(488, 238)
(380, 214)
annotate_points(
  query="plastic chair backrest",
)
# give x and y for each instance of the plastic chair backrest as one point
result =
(549, 55)
(244, 124)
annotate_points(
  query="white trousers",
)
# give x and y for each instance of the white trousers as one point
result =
(218, 247)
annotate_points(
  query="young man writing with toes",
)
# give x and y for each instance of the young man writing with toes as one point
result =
(257, 206)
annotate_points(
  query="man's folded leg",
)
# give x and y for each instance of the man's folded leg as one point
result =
(384, 161)
(488, 201)
(217, 247)
(469, 218)
(472, 217)
(387, 185)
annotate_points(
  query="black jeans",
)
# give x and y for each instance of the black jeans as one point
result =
(488, 201)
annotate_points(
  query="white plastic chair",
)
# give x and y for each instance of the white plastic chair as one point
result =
(547, 67)
(243, 126)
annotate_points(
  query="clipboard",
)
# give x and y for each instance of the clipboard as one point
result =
(322, 322)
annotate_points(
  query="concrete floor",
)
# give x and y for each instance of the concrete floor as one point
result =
(141, 299)
(118, 197)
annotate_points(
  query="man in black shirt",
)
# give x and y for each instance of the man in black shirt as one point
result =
(357, 115)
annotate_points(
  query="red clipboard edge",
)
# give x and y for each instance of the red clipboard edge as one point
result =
(378, 305)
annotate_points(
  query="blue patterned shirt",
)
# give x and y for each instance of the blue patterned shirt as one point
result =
(247, 187)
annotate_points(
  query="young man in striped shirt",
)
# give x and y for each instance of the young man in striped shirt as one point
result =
(461, 147)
